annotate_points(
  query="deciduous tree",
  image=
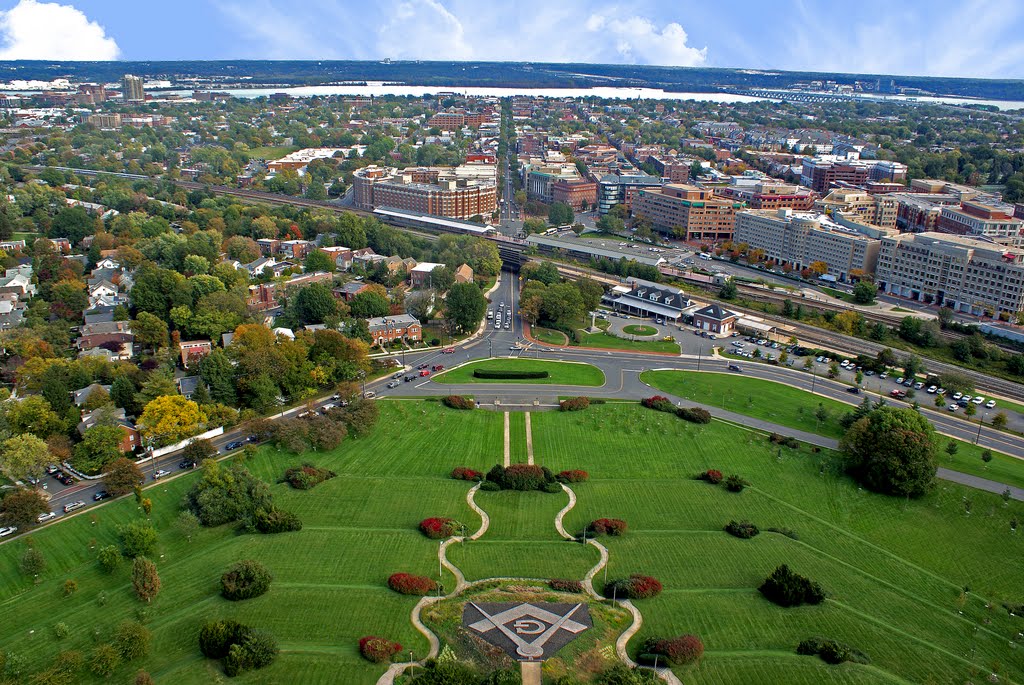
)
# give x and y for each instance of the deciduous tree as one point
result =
(171, 418)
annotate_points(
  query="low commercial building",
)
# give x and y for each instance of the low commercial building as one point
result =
(687, 212)
(971, 275)
(419, 275)
(764, 195)
(715, 319)
(645, 298)
(799, 239)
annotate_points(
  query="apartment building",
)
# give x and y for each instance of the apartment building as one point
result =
(435, 191)
(983, 218)
(541, 179)
(968, 274)
(880, 210)
(821, 174)
(799, 239)
(767, 195)
(687, 212)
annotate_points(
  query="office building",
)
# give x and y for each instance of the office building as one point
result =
(541, 177)
(622, 189)
(879, 210)
(687, 212)
(982, 218)
(799, 239)
(823, 173)
(765, 195)
(968, 274)
(132, 90)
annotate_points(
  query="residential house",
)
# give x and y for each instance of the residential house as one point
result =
(296, 249)
(187, 385)
(387, 329)
(80, 397)
(16, 281)
(419, 276)
(97, 334)
(256, 268)
(464, 274)
(342, 257)
(130, 440)
(100, 289)
(268, 246)
(349, 291)
(194, 350)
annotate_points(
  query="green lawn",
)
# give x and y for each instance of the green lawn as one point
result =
(605, 341)
(795, 408)
(893, 569)
(639, 329)
(548, 336)
(838, 294)
(272, 152)
(559, 373)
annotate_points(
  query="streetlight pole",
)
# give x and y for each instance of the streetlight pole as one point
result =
(700, 350)
(814, 377)
(981, 422)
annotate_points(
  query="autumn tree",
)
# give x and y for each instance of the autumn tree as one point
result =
(24, 456)
(145, 579)
(21, 508)
(170, 418)
(891, 450)
(122, 476)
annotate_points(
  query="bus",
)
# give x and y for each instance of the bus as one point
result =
(550, 231)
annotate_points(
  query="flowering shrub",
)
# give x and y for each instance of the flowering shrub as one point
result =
(563, 585)
(573, 476)
(635, 587)
(522, 477)
(458, 402)
(307, 476)
(464, 473)
(741, 529)
(574, 404)
(437, 528)
(660, 403)
(408, 584)
(713, 476)
(378, 649)
(613, 527)
(685, 649)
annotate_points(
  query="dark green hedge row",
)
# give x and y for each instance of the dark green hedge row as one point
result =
(509, 375)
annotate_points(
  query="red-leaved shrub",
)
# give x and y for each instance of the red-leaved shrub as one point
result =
(378, 649)
(573, 476)
(685, 649)
(635, 587)
(563, 585)
(574, 404)
(408, 584)
(713, 476)
(614, 527)
(465, 473)
(458, 402)
(438, 527)
(659, 402)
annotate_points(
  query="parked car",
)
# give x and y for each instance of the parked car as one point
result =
(883, 375)
(932, 389)
(4, 532)
(957, 395)
(990, 404)
(899, 381)
(160, 474)
(71, 506)
(235, 444)
(954, 407)
(978, 400)
(918, 385)
(48, 516)
(100, 496)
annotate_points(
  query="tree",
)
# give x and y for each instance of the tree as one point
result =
(368, 305)
(33, 415)
(32, 562)
(892, 451)
(999, 420)
(21, 508)
(145, 579)
(138, 538)
(122, 476)
(319, 261)
(864, 292)
(728, 290)
(591, 292)
(242, 249)
(170, 418)
(420, 303)
(560, 214)
(109, 557)
(24, 456)
(150, 331)
(187, 524)
(104, 660)
(534, 226)
(315, 303)
(132, 640)
(122, 394)
(465, 306)
(100, 445)
(818, 268)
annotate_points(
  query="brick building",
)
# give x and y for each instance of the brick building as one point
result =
(387, 329)
(688, 212)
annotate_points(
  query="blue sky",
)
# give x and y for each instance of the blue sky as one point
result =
(943, 38)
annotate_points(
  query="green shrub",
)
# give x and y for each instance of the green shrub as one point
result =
(276, 521)
(735, 483)
(574, 404)
(694, 414)
(256, 650)
(458, 402)
(741, 529)
(509, 375)
(307, 476)
(563, 585)
(132, 640)
(245, 580)
(831, 651)
(684, 649)
(490, 486)
(788, 589)
(104, 660)
(788, 532)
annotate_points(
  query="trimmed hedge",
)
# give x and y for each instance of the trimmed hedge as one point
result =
(378, 649)
(408, 584)
(684, 649)
(572, 476)
(438, 528)
(659, 403)
(465, 473)
(789, 589)
(509, 375)
(831, 651)
(564, 585)
(458, 402)
(521, 477)
(694, 414)
(741, 529)
(612, 527)
(637, 586)
(245, 580)
(574, 404)
(307, 476)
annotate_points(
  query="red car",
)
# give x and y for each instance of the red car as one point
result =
(437, 367)
(424, 372)
(448, 350)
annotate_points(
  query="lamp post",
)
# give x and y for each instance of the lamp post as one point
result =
(488, 348)
(814, 378)
(700, 351)
(981, 422)
(362, 378)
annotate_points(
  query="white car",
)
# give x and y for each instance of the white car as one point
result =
(954, 407)
(918, 385)
(71, 506)
(978, 400)
(899, 381)
(966, 398)
(932, 389)
(990, 404)
(161, 473)
(48, 516)
(4, 532)
(957, 395)
(883, 376)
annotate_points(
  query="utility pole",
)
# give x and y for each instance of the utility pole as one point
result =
(700, 351)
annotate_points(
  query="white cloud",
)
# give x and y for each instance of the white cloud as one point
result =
(50, 31)
(639, 40)
(421, 28)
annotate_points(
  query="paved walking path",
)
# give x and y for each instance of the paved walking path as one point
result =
(508, 443)
(531, 673)
(529, 440)
(485, 520)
